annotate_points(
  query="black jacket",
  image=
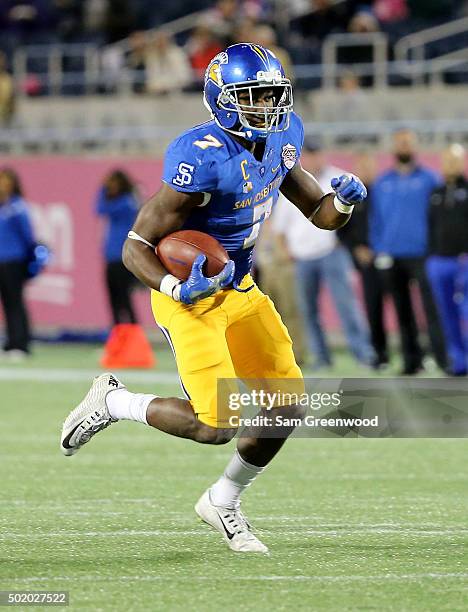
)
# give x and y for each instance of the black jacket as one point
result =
(448, 219)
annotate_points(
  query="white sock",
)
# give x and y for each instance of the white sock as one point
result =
(237, 476)
(128, 406)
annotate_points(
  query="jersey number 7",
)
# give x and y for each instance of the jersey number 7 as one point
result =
(260, 212)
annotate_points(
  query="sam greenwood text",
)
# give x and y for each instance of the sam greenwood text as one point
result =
(309, 421)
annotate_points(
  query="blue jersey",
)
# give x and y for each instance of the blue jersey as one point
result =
(16, 233)
(399, 212)
(240, 191)
(121, 212)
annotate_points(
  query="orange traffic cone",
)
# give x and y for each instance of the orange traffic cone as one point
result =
(128, 347)
(113, 344)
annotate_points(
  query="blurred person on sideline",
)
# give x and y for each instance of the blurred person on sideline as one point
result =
(7, 93)
(118, 203)
(355, 236)
(16, 243)
(278, 281)
(398, 232)
(167, 66)
(447, 264)
(320, 258)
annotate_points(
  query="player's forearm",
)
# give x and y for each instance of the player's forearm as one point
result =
(327, 216)
(143, 263)
(303, 190)
(161, 215)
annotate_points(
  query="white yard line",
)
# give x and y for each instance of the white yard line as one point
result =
(345, 532)
(65, 375)
(391, 577)
(103, 534)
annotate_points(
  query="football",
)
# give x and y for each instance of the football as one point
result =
(178, 251)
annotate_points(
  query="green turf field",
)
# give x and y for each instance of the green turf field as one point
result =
(351, 524)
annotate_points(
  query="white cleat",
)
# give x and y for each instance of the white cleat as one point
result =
(90, 416)
(232, 524)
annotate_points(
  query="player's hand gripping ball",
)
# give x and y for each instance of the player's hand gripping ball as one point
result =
(199, 261)
(349, 189)
(198, 286)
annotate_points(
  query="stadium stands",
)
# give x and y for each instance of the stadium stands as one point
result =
(378, 54)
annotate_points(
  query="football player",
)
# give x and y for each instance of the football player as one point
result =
(221, 178)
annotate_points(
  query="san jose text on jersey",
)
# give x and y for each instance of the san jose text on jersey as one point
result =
(240, 190)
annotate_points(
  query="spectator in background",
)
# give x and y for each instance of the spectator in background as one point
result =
(167, 67)
(119, 21)
(363, 22)
(319, 258)
(117, 24)
(398, 230)
(265, 36)
(201, 47)
(67, 16)
(355, 236)
(117, 202)
(447, 265)
(16, 242)
(7, 93)
(389, 11)
(94, 16)
(427, 13)
(244, 31)
(223, 19)
(325, 17)
(136, 60)
(25, 21)
(352, 101)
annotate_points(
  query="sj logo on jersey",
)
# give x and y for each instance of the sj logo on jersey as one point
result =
(185, 174)
(289, 155)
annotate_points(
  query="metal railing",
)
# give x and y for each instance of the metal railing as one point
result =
(412, 48)
(433, 69)
(55, 76)
(95, 80)
(53, 58)
(417, 42)
(151, 139)
(445, 64)
(177, 26)
(55, 66)
(378, 41)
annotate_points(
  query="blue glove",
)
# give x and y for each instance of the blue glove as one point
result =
(38, 258)
(198, 286)
(349, 189)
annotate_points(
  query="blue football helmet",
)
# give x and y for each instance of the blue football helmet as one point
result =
(248, 69)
